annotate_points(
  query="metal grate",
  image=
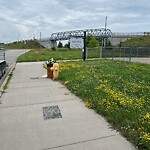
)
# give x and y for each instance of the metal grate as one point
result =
(51, 112)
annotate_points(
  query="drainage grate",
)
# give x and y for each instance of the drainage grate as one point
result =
(51, 112)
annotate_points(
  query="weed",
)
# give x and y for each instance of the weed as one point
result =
(7, 82)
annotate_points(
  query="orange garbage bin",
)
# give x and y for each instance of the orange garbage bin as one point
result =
(49, 73)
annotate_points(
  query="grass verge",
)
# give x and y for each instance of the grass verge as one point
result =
(43, 55)
(64, 54)
(116, 89)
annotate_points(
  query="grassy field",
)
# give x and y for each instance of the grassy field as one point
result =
(137, 41)
(118, 90)
(43, 55)
(58, 54)
(25, 44)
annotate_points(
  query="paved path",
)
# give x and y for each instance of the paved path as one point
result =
(23, 126)
(140, 60)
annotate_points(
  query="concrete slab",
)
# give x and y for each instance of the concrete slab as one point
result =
(104, 143)
(35, 93)
(23, 126)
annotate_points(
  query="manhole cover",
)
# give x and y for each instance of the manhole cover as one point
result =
(51, 112)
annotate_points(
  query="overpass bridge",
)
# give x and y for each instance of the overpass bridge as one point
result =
(52, 40)
(121, 37)
(100, 33)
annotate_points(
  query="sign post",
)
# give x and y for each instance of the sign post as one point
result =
(84, 50)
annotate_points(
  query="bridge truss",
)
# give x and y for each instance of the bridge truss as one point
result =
(98, 33)
(129, 35)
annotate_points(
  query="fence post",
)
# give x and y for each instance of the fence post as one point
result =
(112, 54)
(130, 55)
(86, 53)
(120, 53)
(101, 50)
(137, 52)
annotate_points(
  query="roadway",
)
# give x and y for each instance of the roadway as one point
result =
(11, 57)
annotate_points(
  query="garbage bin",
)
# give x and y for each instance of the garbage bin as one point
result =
(55, 69)
(49, 73)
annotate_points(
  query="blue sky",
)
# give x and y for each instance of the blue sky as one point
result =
(25, 19)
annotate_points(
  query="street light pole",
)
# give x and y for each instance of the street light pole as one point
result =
(84, 50)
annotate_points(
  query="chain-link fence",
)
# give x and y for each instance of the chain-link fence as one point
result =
(118, 52)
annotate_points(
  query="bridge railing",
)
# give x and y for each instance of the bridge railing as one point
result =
(131, 34)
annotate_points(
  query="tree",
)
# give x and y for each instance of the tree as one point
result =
(120, 44)
(88, 39)
(60, 45)
(91, 41)
(108, 43)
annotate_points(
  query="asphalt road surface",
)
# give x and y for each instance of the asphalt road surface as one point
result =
(140, 60)
(10, 57)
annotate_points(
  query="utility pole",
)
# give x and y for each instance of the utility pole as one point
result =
(105, 31)
(40, 40)
(105, 23)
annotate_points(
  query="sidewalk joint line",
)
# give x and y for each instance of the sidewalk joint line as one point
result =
(36, 104)
(80, 142)
(25, 87)
(27, 81)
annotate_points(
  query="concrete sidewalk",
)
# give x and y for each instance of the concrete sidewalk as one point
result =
(27, 106)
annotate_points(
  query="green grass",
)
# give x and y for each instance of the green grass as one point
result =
(43, 55)
(137, 41)
(118, 90)
(25, 44)
(58, 54)
(7, 82)
(67, 54)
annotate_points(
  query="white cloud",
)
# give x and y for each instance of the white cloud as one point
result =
(23, 19)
